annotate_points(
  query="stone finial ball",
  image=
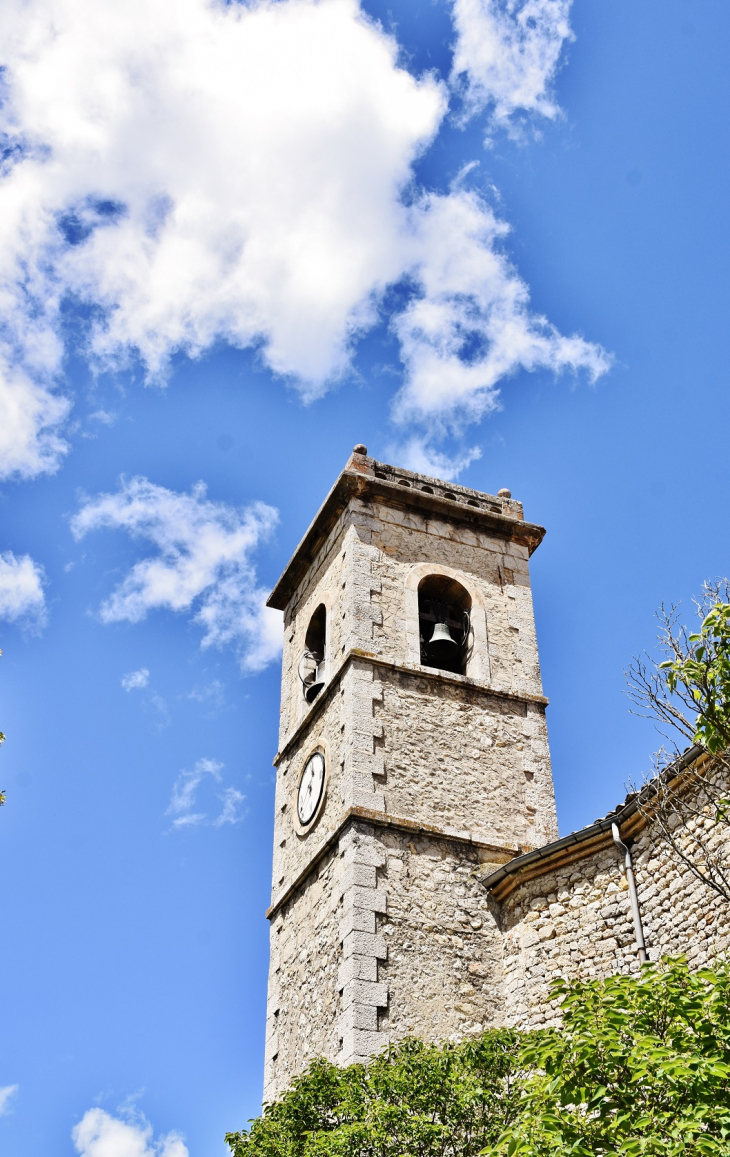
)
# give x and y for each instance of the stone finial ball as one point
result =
(504, 493)
(360, 449)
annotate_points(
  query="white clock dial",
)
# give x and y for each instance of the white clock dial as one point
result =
(310, 787)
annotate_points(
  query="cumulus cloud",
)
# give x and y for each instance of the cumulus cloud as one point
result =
(136, 680)
(185, 792)
(98, 1134)
(196, 171)
(7, 1096)
(506, 55)
(206, 171)
(21, 590)
(470, 326)
(203, 564)
(417, 454)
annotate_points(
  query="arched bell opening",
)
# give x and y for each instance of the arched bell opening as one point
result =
(312, 662)
(444, 620)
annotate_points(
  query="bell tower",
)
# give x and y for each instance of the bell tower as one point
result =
(413, 760)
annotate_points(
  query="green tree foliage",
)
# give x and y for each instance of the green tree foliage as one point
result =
(639, 1068)
(687, 693)
(702, 674)
(420, 1099)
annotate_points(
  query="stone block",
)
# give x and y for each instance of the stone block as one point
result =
(359, 1045)
(364, 944)
(357, 920)
(360, 875)
(357, 968)
(365, 992)
(373, 899)
(359, 1016)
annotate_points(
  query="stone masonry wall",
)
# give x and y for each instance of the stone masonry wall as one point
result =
(324, 992)
(323, 585)
(344, 577)
(360, 573)
(501, 747)
(349, 732)
(576, 922)
(378, 934)
(497, 568)
(303, 1006)
(443, 970)
(503, 789)
(457, 758)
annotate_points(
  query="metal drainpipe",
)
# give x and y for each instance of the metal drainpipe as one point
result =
(629, 869)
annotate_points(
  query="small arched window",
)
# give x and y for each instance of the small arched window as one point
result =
(312, 662)
(444, 620)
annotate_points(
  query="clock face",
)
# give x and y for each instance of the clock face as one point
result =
(311, 786)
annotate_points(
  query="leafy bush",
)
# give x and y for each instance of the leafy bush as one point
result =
(639, 1068)
(420, 1099)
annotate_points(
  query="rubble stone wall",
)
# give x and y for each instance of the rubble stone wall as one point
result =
(381, 923)
(461, 759)
(391, 934)
(576, 922)
(443, 969)
(303, 1006)
(497, 568)
(376, 933)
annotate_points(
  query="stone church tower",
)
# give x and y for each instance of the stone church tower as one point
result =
(413, 762)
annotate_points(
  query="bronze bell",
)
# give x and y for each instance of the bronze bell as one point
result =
(313, 688)
(442, 642)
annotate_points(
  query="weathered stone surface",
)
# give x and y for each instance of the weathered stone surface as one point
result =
(576, 922)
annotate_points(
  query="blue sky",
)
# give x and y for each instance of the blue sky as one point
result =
(233, 243)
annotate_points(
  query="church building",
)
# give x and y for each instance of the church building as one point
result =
(419, 885)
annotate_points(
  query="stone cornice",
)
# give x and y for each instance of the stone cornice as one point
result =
(394, 823)
(417, 671)
(369, 479)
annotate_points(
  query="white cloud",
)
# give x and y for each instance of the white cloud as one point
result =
(197, 171)
(471, 326)
(506, 54)
(204, 171)
(185, 793)
(7, 1095)
(185, 790)
(203, 564)
(232, 812)
(98, 1134)
(30, 413)
(21, 590)
(136, 680)
(210, 696)
(416, 454)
